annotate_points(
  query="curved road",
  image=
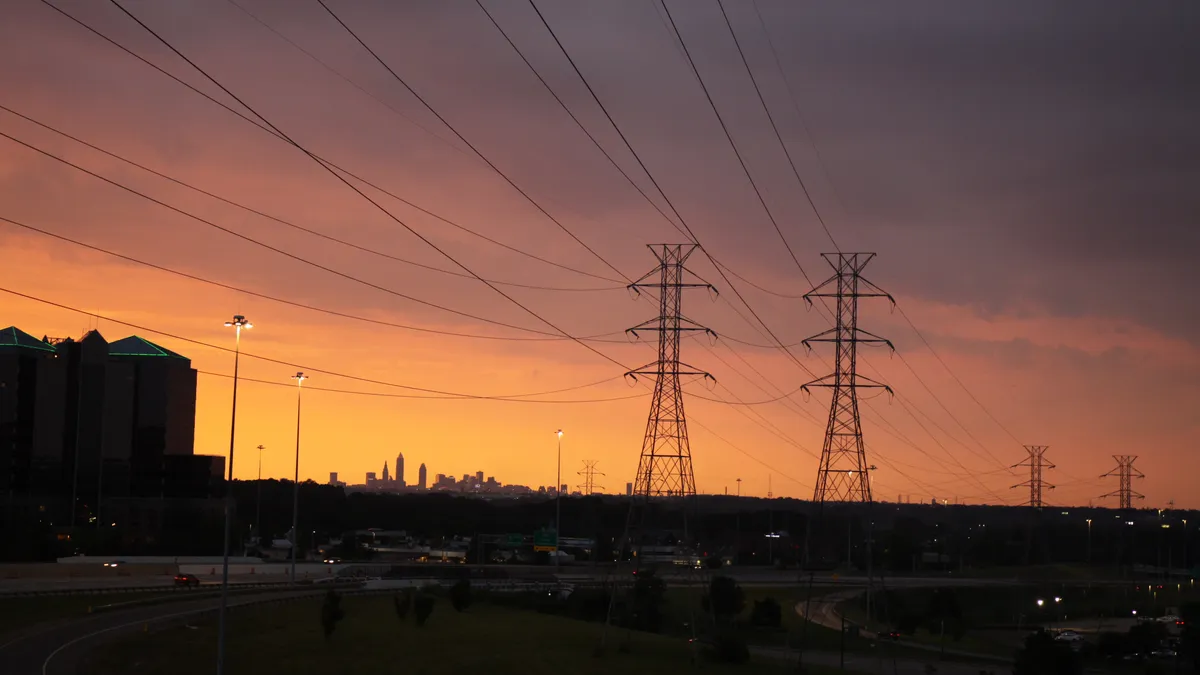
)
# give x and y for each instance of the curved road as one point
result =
(55, 649)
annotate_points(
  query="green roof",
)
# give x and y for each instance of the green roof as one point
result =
(15, 337)
(136, 346)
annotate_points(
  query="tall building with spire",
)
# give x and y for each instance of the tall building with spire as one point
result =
(422, 477)
(385, 472)
(400, 469)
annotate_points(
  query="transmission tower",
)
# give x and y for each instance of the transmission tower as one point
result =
(589, 474)
(1036, 463)
(842, 474)
(1125, 473)
(665, 467)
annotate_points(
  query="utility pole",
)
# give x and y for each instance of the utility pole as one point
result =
(1125, 474)
(842, 474)
(1037, 463)
(589, 474)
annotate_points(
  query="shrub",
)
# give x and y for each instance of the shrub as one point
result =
(331, 612)
(766, 613)
(728, 648)
(403, 602)
(460, 595)
(423, 607)
(726, 598)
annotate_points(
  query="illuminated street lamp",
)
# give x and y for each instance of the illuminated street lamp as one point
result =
(299, 378)
(1089, 548)
(239, 323)
(1040, 602)
(557, 500)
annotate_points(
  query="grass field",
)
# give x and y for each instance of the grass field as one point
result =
(287, 638)
(20, 613)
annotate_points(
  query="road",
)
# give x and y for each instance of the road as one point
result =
(881, 663)
(55, 649)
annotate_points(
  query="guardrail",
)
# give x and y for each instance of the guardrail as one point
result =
(162, 588)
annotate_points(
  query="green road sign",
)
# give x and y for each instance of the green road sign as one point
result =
(545, 540)
(515, 539)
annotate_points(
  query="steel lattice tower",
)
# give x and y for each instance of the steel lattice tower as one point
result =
(1125, 473)
(589, 474)
(1037, 463)
(842, 475)
(665, 467)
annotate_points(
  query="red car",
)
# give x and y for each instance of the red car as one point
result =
(186, 580)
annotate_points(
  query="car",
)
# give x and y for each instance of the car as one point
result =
(1170, 618)
(1068, 636)
(333, 561)
(890, 635)
(114, 563)
(187, 580)
(1163, 653)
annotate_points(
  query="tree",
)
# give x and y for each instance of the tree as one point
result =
(1190, 637)
(766, 613)
(423, 607)
(403, 602)
(331, 612)
(649, 594)
(460, 595)
(1043, 655)
(726, 599)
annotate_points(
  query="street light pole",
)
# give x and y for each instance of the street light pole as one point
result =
(1089, 548)
(558, 500)
(238, 323)
(258, 497)
(299, 378)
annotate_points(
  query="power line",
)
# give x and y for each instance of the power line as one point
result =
(418, 396)
(288, 223)
(343, 77)
(383, 210)
(268, 359)
(269, 247)
(453, 130)
(551, 337)
(654, 181)
(778, 136)
(262, 127)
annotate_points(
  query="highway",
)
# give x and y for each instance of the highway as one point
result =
(55, 649)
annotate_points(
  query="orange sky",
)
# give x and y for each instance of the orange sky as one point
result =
(1047, 355)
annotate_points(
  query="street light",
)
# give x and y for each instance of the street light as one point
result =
(239, 323)
(299, 378)
(1040, 602)
(258, 497)
(1089, 548)
(557, 500)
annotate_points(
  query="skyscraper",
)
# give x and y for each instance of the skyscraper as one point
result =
(400, 468)
(479, 477)
(421, 477)
(385, 472)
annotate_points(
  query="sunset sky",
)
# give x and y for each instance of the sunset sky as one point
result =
(1026, 172)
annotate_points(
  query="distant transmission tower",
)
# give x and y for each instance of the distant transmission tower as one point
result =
(589, 474)
(1036, 463)
(665, 467)
(1125, 473)
(842, 475)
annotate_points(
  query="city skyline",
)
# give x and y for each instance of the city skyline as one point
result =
(1018, 187)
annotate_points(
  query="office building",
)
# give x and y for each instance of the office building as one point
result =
(400, 470)
(629, 489)
(479, 477)
(422, 477)
(110, 423)
(385, 473)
